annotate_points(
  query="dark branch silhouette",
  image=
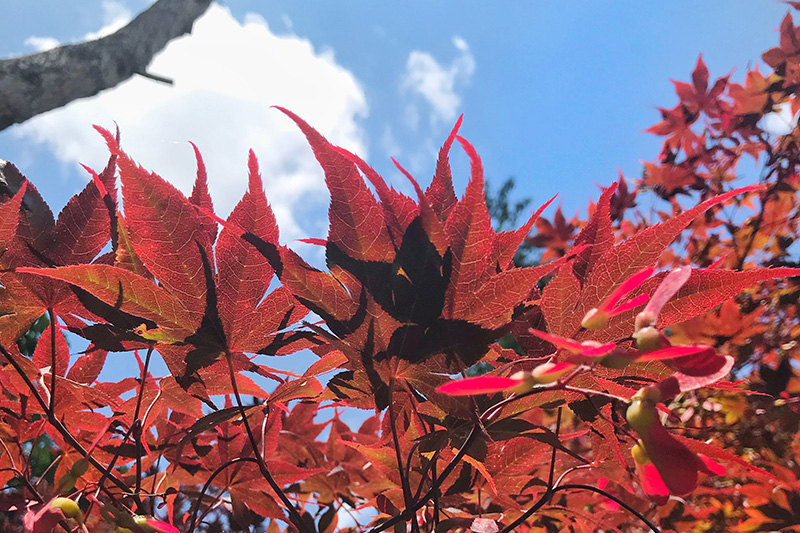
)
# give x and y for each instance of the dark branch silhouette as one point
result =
(36, 83)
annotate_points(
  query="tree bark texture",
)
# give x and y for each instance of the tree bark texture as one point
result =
(36, 83)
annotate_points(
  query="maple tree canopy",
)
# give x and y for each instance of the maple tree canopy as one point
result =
(639, 376)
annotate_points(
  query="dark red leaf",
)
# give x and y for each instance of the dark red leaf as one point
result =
(357, 225)
(165, 230)
(470, 237)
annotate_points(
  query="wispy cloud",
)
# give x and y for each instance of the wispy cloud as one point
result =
(437, 84)
(41, 44)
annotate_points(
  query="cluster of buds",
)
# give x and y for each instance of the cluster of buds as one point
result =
(665, 465)
(127, 523)
(46, 518)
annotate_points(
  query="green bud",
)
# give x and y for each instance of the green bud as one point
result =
(641, 414)
(69, 507)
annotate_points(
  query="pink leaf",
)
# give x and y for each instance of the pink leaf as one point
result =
(478, 385)
(667, 289)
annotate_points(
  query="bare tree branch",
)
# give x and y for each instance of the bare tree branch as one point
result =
(33, 84)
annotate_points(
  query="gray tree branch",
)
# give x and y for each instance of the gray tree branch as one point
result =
(33, 84)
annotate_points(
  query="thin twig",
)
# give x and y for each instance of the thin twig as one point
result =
(408, 512)
(137, 422)
(553, 456)
(407, 499)
(196, 505)
(111, 465)
(66, 435)
(294, 515)
(52, 315)
(548, 495)
(637, 514)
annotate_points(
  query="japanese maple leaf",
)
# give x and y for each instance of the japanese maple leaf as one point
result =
(421, 281)
(697, 95)
(670, 177)
(789, 47)
(753, 100)
(676, 126)
(30, 237)
(553, 236)
(196, 311)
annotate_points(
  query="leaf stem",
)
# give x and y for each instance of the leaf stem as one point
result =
(52, 315)
(196, 505)
(409, 511)
(294, 516)
(404, 479)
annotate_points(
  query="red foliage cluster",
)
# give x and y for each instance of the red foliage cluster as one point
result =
(582, 375)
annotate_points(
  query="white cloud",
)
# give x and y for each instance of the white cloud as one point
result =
(436, 83)
(227, 75)
(115, 16)
(42, 44)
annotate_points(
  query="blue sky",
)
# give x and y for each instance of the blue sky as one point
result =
(554, 93)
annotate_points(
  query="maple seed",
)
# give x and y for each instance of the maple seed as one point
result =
(582, 351)
(649, 339)
(47, 516)
(527, 382)
(651, 481)
(147, 523)
(550, 372)
(599, 317)
(69, 508)
(674, 463)
(641, 414)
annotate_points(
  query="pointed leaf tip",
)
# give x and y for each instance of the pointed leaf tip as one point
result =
(475, 161)
(255, 183)
(111, 140)
(440, 193)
